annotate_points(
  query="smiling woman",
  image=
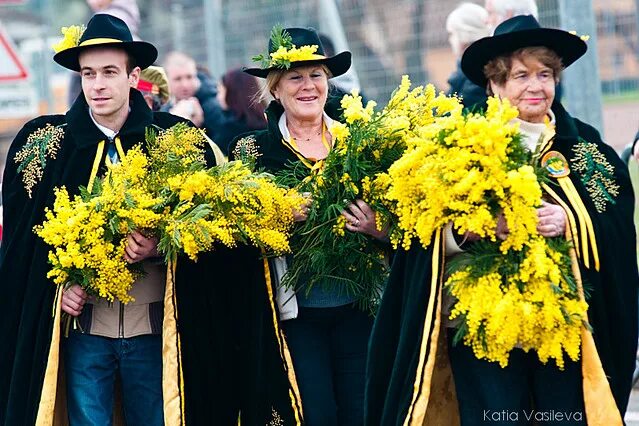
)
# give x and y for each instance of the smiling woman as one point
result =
(588, 199)
(324, 330)
(528, 79)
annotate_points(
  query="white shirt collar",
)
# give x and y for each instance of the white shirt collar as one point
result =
(110, 134)
(531, 132)
(286, 135)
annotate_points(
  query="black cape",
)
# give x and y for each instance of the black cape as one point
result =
(29, 309)
(408, 376)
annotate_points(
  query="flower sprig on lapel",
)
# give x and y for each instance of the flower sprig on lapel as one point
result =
(32, 157)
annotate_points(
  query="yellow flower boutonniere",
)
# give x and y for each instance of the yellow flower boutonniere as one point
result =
(71, 37)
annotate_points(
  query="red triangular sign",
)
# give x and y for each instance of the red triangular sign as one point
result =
(11, 68)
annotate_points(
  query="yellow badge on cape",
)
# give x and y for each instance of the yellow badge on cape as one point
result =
(556, 164)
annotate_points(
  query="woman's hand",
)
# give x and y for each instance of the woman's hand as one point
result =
(302, 214)
(551, 220)
(361, 218)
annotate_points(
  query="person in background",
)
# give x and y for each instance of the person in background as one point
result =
(193, 93)
(466, 24)
(500, 10)
(237, 94)
(154, 86)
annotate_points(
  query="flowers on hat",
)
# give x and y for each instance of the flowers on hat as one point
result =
(583, 37)
(71, 38)
(286, 51)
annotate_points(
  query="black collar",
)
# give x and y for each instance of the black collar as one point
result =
(565, 124)
(84, 131)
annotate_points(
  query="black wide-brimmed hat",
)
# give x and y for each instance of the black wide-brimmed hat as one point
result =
(516, 33)
(298, 38)
(107, 30)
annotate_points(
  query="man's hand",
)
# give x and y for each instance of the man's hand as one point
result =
(140, 247)
(73, 300)
(635, 151)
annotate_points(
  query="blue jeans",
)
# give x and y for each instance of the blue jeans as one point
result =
(329, 347)
(91, 363)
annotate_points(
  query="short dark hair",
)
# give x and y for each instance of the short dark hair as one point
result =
(131, 62)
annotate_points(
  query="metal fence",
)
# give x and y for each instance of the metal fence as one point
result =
(387, 39)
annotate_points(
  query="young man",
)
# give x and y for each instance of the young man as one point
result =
(222, 359)
(115, 339)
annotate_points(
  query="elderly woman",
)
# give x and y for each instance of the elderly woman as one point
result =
(522, 62)
(329, 335)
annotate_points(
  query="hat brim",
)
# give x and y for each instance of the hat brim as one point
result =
(568, 46)
(144, 53)
(337, 65)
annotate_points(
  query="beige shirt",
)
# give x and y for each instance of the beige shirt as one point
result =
(141, 316)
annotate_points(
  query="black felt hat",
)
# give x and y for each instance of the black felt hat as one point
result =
(516, 33)
(337, 64)
(107, 30)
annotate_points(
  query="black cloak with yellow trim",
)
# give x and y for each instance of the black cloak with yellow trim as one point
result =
(31, 379)
(409, 380)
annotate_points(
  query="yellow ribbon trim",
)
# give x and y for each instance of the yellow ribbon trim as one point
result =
(586, 227)
(46, 407)
(599, 403)
(220, 158)
(172, 375)
(99, 40)
(417, 409)
(96, 165)
(571, 217)
(548, 138)
(311, 163)
(118, 147)
(294, 393)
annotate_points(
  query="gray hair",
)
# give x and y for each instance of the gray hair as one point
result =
(468, 22)
(516, 7)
